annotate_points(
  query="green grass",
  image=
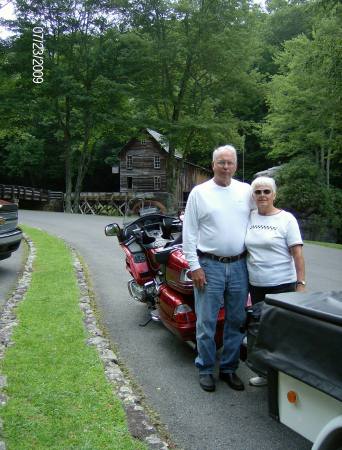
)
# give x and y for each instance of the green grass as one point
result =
(58, 395)
(326, 244)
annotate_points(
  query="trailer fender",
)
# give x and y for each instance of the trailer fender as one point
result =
(330, 437)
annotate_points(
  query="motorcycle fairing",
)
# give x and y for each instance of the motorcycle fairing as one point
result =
(140, 271)
(148, 220)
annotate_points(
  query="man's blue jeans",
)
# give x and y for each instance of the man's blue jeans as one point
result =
(227, 283)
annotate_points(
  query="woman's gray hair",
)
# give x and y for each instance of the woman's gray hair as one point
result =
(264, 181)
(223, 148)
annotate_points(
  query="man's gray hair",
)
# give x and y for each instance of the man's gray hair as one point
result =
(223, 148)
(264, 181)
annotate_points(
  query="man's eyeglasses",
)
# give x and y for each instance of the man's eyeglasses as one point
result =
(262, 191)
(223, 163)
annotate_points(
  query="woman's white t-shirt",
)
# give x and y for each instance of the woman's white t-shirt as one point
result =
(268, 239)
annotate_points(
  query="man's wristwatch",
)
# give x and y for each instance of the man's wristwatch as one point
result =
(302, 282)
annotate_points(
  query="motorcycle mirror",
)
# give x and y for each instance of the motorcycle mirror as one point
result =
(112, 229)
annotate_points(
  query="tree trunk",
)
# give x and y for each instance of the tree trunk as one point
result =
(68, 157)
(322, 159)
(327, 171)
(83, 161)
(172, 177)
(81, 171)
(329, 158)
(78, 183)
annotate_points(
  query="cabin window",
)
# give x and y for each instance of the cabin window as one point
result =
(129, 162)
(156, 161)
(157, 183)
(143, 141)
(129, 183)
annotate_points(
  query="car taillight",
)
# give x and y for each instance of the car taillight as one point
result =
(184, 314)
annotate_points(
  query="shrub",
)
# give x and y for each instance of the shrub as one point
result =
(301, 190)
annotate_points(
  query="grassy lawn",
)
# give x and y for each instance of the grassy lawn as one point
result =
(326, 244)
(59, 397)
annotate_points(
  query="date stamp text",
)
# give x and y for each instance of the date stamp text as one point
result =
(38, 55)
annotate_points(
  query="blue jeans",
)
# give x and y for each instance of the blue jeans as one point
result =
(227, 284)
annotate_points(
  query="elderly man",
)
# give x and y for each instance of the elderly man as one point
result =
(214, 230)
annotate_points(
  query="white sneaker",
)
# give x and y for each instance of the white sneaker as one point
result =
(258, 381)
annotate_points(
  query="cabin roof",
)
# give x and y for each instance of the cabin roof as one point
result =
(270, 172)
(164, 144)
(160, 139)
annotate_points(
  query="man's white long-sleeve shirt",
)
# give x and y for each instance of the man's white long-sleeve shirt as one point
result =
(215, 220)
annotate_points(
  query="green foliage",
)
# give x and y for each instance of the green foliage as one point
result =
(302, 190)
(285, 20)
(301, 187)
(185, 68)
(202, 73)
(305, 111)
(335, 209)
(73, 108)
(192, 83)
(23, 155)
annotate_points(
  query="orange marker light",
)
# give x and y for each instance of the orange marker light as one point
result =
(292, 396)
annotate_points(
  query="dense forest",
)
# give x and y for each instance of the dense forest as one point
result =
(201, 72)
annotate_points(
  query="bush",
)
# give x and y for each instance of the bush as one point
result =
(302, 191)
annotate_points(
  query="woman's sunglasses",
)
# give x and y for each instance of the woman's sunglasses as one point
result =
(262, 191)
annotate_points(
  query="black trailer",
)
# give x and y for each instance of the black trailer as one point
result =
(299, 346)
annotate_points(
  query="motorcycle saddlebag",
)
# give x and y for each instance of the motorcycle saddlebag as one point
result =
(300, 334)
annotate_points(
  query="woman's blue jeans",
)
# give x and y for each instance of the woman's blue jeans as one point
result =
(227, 284)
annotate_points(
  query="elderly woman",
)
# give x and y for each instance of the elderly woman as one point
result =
(275, 259)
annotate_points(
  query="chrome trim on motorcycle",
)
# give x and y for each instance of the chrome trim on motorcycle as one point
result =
(155, 315)
(136, 291)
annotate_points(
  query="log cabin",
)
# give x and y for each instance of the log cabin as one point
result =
(142, 167)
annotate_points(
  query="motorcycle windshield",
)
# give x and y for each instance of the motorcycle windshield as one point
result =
(139, 207)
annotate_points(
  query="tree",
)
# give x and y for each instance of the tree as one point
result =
(74, 104)
(302, 190)
(305, 113)
(284, 21)
(21, 147)
(191, 68)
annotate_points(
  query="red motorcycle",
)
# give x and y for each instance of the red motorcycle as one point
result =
(160, 274)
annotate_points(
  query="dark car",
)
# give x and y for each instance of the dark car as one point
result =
(10, 234)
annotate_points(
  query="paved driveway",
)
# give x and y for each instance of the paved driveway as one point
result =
(162, 365)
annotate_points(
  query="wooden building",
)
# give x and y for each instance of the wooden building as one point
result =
(142, 167)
